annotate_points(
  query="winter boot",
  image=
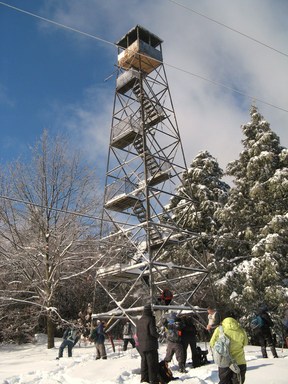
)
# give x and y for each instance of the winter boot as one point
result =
(264, 352)
(182, 368)
(273, 350)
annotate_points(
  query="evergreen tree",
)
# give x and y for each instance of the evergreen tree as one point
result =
(253, 242)
(201, 194)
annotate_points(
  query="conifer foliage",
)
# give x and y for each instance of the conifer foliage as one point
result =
(253, 241)
(201, 194)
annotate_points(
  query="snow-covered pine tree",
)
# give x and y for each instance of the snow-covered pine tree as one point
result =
(201, 193)
(253, 242)
(198, 198)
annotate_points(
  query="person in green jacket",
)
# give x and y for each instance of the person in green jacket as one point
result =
(238, 339)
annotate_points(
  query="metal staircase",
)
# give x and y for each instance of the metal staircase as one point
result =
(153, 113)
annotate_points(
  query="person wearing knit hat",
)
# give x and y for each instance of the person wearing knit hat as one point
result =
(147, 336)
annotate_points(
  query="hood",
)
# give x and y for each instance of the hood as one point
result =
(230, 323)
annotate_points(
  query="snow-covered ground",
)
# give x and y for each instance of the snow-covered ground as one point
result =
(34, 363)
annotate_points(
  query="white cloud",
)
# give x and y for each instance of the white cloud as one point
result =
(209, 116)
(88, 123)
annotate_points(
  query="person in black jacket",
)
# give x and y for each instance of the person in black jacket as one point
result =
(264, 333)
(188, 338)
(147, 337)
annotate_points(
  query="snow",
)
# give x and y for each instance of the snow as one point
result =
(35, 364)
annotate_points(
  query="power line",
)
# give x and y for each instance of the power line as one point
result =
(167, 64)
(230, 28)
(102, 219)
(58, 24)
(227, 87)
(25, 202)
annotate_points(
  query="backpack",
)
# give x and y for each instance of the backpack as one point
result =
(68, 335)
(201, 356)
(257, 322)
(72, 335)
(174, 331)
(221, 352)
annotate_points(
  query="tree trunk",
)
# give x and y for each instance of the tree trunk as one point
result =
(50, 333)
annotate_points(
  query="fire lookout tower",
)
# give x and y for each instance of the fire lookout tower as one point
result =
(145, 165)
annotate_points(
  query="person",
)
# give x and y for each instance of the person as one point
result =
(165, 373)
(188, 338)
(166, 296)
(147, 337)
(128, 336)
(70, 337)
(238, 339)
(214, 320)
(264, 334)
(174, 328)
(97, 335)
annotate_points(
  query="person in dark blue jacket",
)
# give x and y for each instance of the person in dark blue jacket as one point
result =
(264, 333)
(98, 337)
(70, 338)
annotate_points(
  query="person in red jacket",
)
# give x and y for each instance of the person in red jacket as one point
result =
(165, 297)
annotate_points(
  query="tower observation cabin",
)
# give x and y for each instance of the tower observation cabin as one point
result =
(146, 250)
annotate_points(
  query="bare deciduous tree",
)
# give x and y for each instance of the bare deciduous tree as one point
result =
(48, 230)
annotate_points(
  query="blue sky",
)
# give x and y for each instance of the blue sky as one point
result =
(57, 79)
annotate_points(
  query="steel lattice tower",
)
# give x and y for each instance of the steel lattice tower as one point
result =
(145, 165)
